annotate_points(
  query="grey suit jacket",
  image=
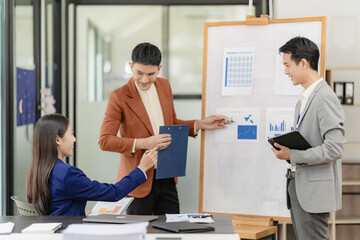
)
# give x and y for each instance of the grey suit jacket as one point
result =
(318, 177)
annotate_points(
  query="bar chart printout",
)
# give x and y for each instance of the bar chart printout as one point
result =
(114, 208)
(279, 121)
(238, 71)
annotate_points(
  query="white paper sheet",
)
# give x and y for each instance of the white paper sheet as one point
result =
(44, 228)
(6, 228)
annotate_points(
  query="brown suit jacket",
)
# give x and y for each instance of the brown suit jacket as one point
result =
(126, 112)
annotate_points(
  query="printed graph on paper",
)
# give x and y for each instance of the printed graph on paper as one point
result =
(238, 71)
(279, 121)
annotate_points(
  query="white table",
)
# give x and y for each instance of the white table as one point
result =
(150, 236)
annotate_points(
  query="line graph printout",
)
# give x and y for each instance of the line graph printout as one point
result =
(238, 71)
(245, 125)
(283, 83)
(279, 121)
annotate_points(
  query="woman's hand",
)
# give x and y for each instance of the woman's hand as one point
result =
(148, 159)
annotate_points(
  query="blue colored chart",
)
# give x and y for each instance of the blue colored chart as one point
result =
(238, 70)
(243, 127)
(282, 127)
(247, 132)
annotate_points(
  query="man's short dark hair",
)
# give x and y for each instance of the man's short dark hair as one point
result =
(147, 54)
(301, 47)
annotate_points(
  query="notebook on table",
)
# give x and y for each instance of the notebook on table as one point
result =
(182, 227)
(42, 228)
(106, 218)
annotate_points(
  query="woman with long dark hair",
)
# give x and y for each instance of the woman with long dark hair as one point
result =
(57, 188)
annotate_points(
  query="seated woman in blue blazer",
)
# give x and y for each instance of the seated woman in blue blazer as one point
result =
(57, 188)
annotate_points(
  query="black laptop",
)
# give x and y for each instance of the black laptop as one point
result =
(108, 218)
(182, 227)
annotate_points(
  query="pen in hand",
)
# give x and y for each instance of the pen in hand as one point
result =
(227, 119)
(160, 148)
(157, 149)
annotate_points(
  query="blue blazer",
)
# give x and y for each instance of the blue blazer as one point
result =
(70, 188)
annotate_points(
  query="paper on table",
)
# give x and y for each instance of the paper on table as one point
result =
(204, 219)
(114, 208)
(132, 231)
(42, 228)
(189, 218)
(6, 228)
(177, 218)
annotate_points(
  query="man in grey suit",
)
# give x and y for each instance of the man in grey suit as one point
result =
(314, 180)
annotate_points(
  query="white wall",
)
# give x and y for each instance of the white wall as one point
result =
(343, 26)
(342, 49)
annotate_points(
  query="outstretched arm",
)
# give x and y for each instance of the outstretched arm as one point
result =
(211, 122)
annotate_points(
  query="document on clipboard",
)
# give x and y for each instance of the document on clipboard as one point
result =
(292, 140)
(172, 160)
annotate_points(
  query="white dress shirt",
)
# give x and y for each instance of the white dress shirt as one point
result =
(304, 97)
(153, 108)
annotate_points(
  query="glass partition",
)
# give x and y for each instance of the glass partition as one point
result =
(186, 38)
(109, 41)
(48, 86)
(105, 44)
(24, 95)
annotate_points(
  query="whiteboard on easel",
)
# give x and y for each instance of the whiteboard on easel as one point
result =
(243, 78)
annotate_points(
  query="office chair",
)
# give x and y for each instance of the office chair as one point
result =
(26, 209)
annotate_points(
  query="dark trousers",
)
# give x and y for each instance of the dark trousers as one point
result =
(162, 199)
(307, 226)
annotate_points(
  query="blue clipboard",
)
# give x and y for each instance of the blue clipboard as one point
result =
(172, 160)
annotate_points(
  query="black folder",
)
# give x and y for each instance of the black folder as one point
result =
(292, 140)
(182, 227)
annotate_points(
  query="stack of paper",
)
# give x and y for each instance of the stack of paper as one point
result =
(134, 231)
(6, 228)
(42, 228)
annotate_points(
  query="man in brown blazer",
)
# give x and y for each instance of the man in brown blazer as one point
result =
(138, 109)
